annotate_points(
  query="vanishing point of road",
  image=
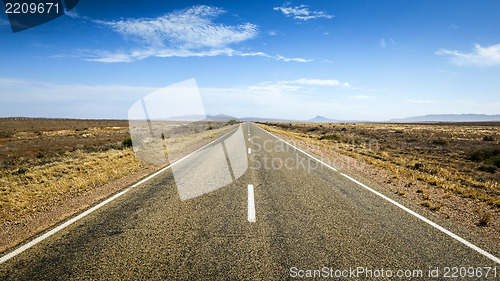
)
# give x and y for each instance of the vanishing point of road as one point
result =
(287, 216)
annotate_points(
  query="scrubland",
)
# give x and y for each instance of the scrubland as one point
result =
(449, 168)
(45, 162)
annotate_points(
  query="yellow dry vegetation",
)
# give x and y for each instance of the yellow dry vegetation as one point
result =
(449, 169)
(30, 184)
(24, 192)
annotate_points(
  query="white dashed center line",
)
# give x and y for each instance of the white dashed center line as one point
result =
(251, 204)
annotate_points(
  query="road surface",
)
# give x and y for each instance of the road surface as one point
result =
(273, 222)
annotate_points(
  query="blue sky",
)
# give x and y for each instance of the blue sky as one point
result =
(355, 60)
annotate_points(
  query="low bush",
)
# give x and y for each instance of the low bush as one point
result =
(127, 142)
(329, 137)
(485, 219)
(495, 161)
(440, 141)
(483, 153)
(487, 168)
(488, 138)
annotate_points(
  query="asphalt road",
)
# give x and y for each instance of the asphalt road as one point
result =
(307, 217)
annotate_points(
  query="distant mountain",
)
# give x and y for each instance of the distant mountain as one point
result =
(321, 119)
(449, 118)
(258, 119)
(317, 119)
(186, 118)
(220, 118)
(194, 118)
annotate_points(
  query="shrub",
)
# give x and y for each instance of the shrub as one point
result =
(485, 219)
(329, 137)
(435, 207)
(430, 206)
(495, 161)
(487, 168)
(488, 138)
(426, 204)
(127, 142)
(20, 171)
(418, 166)
(440, 141)
(483, 153)
(432, 182)
(4, 135)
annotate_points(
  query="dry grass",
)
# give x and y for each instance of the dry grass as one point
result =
(436, 154)
(47, 161)
(72, 174)
(437, 166)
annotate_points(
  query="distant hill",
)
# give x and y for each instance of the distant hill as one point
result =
(449, 118)
(321, 119)
(220, 118)
(193, 118)
(258, 119)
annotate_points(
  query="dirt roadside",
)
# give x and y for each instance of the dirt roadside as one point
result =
(13, 233)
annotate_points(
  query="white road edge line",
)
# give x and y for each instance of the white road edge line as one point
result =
(426, 220)
(82, 215)
(422, 218)
(251, 204)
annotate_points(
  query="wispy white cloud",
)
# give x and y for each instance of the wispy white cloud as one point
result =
(384, 43)
(131, 56)
(302, 12)
(28, 89)
(313, 82)
(42, 99)
(297, 99)
(189, 28)
(303, 85)
(294, 99)
(286, 99)
(74, 15)
(453, 26)
(190, 32)
(480, 56)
